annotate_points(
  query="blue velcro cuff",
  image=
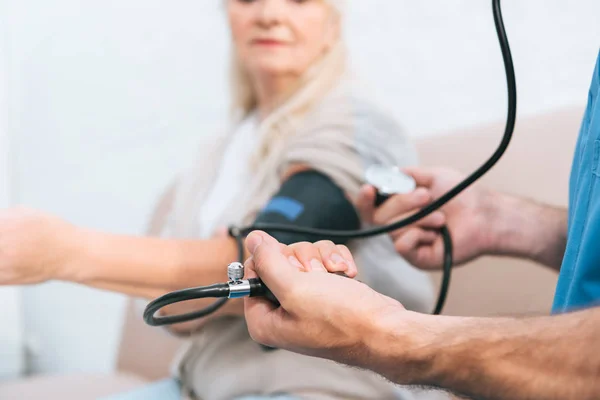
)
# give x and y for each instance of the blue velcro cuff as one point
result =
(285, 206)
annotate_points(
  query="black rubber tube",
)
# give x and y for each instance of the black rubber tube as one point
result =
(238, 234)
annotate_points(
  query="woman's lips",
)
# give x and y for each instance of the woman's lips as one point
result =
(268, 42)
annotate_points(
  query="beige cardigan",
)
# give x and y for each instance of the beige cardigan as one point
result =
(341, 136)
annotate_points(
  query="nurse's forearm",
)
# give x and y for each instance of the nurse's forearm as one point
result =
(543, 358)
(524, 228)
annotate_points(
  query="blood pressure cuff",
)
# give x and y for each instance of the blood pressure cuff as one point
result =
(309, 199)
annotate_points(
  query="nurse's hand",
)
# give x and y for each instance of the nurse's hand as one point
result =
(468, 216)
(34, 247)
(321, 314)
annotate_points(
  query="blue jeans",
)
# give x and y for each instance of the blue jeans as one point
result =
(169, 389)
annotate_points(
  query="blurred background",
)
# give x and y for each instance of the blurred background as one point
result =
(101, 102)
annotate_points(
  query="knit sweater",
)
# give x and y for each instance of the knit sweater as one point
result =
(341, 136)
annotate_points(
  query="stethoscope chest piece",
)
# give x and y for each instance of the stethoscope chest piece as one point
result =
(388, 181)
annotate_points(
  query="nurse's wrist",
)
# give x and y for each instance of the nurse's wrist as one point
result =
(527, 229)
(509, 222)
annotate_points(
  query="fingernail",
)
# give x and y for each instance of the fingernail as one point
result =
(317, 265)
(253, 242)
(295, 262)
(336, 258)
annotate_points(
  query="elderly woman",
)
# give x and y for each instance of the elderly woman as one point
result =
(296, 107)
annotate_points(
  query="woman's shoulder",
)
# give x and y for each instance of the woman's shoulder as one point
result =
(377, 132)
(349, 104)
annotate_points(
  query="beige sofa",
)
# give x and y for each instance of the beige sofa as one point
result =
(536, 165)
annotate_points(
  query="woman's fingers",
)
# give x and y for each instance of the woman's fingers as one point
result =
(308, 255)
(352, 268)
(337, 258)
(323, 256)
(288, 252)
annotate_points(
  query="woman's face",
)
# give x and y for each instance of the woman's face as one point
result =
(281, 37)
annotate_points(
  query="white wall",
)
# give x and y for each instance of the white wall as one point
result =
(440, 64)
(105, 107)
(11, 329)
(109, 97)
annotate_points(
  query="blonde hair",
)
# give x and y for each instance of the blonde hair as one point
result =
(320, 78)
(315, 81)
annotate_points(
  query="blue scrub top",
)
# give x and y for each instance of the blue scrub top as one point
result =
(579, 281)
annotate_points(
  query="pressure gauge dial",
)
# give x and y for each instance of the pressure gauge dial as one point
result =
(389, 181)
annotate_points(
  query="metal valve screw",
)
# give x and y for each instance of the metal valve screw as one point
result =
(235, 271)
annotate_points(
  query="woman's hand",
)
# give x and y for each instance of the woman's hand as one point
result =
(34, 247)
(468, 217)
(323, 256)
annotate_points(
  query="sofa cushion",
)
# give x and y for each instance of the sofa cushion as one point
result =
(67, 387)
